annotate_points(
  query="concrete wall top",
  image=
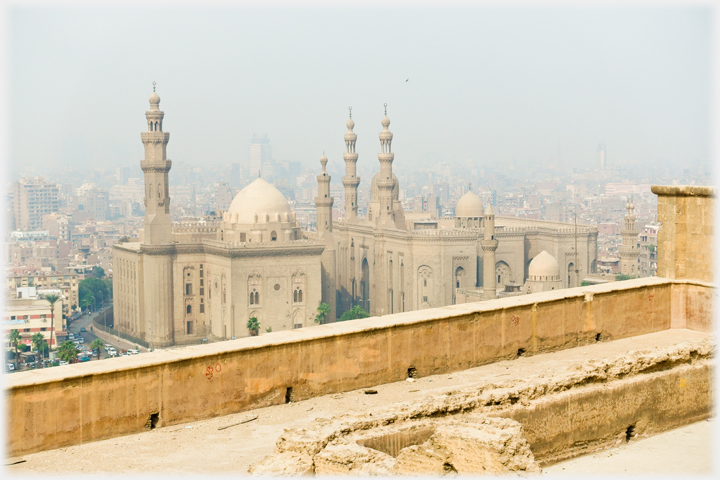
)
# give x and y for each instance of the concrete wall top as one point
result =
(684, 190)
(43, 376)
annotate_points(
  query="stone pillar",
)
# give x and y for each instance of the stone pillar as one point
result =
(686, 235)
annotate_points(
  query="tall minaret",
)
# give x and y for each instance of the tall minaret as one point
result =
(324, 202)
(489, 245)
(386, 215)
(328, 260)
(350, 180)
(629, 251)
(158, 227)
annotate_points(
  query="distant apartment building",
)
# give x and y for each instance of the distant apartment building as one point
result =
(32, 199)
(626, 188)
(647, 240)
(32, 315)
(608, 228)
(429, 204)
(93, 200)
(260, 155)
(66, 284)
(57, 225)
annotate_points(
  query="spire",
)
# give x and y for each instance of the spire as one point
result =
(350, 180)
(153, 85)
(323, 162)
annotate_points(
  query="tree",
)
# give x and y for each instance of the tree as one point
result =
(92, 290)
(98, 272)
(96, 345)
(268, 329)
(253, 325)
(353, 314)
(15, 339)
(38, 340)
(323, 312)
(52, 299)
(584, 283)
(68, 351)
(621, 276)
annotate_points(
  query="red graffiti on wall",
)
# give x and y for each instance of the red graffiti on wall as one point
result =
(515, 320)
(651, 296)
(209, 371)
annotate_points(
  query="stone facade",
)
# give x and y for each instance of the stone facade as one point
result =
(685, 237)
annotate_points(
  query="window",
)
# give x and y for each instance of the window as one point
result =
(202, 308)
(298, 295)
(188, 310)
(202, 291)
(201, 273)
(188, 289)
(202, 282)
(273, 236)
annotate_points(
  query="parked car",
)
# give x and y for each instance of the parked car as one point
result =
(10, 367)
(108, 347)
(63, 362)
(133, 351)
(84, 358)
(31, 364)
(82, 329)
(81, 340)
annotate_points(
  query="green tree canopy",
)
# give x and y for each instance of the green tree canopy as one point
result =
(621, 276)
(323, 312)
(98, 272)
(96, 345)
(67, 351)
(253, 325)
(52, 299)
(91, 291)
(353, 314)
(15, 340)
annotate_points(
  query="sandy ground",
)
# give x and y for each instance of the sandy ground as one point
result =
(200, 448)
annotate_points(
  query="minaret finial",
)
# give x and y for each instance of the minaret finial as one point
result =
(469, 186)
(386, 109)
(153, 86)
(259, 174)
(350, 108)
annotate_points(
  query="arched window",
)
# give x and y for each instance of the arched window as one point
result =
(252, 298)
(295, 296)
(188, 309)
(257, 298)
(300, 296)
(273, 236)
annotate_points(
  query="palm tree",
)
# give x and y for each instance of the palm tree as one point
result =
(37, 341)
(323, 312)
(67, 351)
(52, 299)
(96, 345)
(253, 325)
(15, 339)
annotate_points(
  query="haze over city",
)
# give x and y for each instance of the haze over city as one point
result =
(482, 86)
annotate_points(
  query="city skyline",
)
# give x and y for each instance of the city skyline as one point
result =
(491, 85)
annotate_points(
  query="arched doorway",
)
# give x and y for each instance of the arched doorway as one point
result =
(502, 274)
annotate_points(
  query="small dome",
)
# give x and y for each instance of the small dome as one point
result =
(544, 265)
(259, 198)
(154, 99)
(385, 121)
(469, 205)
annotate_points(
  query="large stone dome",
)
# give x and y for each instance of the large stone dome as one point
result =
(543, 267)
(260, 198)
(469, 205)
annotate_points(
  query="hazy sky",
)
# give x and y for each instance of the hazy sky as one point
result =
(485, 84)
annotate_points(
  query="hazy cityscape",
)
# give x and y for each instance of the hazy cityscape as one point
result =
(263, 195)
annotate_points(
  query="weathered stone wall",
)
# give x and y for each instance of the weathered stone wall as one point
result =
(85, 402)
(686, 236)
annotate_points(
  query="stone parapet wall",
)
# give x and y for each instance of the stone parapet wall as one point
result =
(686, 234)
(84, 402)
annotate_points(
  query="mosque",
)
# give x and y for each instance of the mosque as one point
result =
(180, 283)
